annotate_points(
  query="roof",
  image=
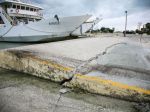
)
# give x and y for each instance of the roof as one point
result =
(19, 2)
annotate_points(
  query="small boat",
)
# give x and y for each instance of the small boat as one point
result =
(24, 22)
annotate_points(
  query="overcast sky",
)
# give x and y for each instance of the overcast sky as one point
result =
(112, 11)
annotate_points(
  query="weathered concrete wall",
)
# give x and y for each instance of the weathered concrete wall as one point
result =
(102, 86)
(23, 61)
(55, 61)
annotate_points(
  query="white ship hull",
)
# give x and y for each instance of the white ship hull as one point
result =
(44, 30)
(41, 38)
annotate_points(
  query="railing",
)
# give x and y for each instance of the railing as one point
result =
(24, 12)
(7, 16)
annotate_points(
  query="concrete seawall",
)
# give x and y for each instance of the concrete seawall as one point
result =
(56, 61)
(24, 61)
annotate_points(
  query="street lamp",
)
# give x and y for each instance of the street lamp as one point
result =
(126, 12)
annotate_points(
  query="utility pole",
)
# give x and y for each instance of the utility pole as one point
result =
(139, 25)
(126, 13)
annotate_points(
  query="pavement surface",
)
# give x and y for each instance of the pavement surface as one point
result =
(23, 93)
(119, 67)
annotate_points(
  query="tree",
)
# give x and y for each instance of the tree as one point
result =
(148, 28)
(148, 25)
(111, 30)
(103, 30)
(139, 31)
(129, 32)
(107, 30)
(145, 29)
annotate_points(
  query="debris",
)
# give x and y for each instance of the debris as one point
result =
(64, 90)
(61, 91)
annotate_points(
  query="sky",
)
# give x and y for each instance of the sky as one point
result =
(112, 11)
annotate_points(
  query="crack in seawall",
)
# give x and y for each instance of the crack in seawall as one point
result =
(27, 62)
(79, 68)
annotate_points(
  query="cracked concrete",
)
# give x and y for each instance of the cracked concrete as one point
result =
(55, 61)
(22, 93)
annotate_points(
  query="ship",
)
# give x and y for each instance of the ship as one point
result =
(24, 22)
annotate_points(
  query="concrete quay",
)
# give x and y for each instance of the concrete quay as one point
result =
(21, 92)
(120, 69)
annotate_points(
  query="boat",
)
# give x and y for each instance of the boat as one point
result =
(24, 22)
(86, 27)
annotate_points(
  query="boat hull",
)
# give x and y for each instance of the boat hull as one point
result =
(42, 31)
(32, 39)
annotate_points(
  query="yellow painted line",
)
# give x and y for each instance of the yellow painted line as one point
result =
(52, 64)
(112, 83)
(96, 79)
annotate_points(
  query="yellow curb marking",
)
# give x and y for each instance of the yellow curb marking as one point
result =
(53, 64)
(96, 79)
(115, 84)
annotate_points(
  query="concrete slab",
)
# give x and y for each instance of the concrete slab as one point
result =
(23, 93)
(131, 56)
(78, 49)
(55, 61)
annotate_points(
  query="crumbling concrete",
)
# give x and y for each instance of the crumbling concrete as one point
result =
(23, 61)
(58, 62)
(23, 93)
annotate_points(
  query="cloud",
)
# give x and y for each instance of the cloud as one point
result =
(119, 22)
(142, 3)
(112, 11)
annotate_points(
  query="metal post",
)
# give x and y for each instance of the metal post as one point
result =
(125, 24)
(81, 29)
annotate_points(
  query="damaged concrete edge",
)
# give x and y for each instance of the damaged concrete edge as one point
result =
(26, 62)
(111, 88)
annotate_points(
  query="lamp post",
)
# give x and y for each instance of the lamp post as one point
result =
(126, 13)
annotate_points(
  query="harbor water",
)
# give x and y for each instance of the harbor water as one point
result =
(5, 45)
